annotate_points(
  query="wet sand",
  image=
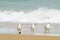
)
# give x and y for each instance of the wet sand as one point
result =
(27, 37)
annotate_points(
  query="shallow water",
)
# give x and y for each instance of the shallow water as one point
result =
(11, 28)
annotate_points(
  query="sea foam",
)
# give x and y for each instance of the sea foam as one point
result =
(39, 15)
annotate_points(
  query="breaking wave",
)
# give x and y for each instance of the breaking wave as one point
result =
(39, 15)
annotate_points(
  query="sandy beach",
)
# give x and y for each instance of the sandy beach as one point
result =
(27, 37)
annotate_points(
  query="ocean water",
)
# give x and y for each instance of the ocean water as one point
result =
(29, 11)
(34, 11)
(28, 4)
(11, 28)
(39, 29)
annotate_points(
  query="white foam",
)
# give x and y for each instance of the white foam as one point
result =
(39, 15)
(47, 34)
